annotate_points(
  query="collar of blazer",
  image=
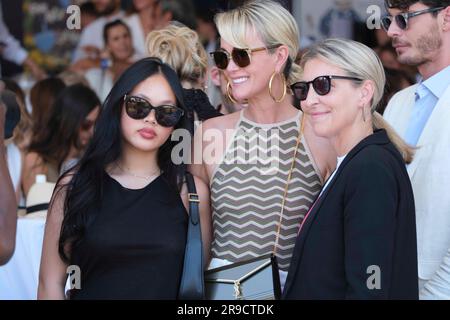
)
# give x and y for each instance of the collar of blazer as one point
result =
(436, 127)
(400, 109)
(379, 137)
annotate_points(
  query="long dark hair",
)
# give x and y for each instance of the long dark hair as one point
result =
(68, 112)
(42, 98)
(84, 191)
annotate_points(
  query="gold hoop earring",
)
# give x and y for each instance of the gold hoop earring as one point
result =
(230, 96)
(284, 87)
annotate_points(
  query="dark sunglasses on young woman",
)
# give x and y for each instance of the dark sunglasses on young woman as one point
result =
(241, 57)
(138, 108)
(322, 85)
(402, 19)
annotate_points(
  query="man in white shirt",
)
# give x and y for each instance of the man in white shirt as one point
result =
(420, 32)
(11, 50)
(87, 53)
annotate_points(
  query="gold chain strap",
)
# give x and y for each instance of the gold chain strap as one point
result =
(294, 160)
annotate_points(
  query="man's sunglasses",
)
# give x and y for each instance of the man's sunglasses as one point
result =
(241, 57)
(138, 108)
(402, 19)
(322, 85)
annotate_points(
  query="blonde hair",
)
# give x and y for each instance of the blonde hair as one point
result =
(271, 21)
(359, 61)
(179, 47)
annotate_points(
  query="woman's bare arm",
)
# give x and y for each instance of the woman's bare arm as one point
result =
(52, 275)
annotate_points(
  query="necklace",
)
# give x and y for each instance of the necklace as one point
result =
(139, 176)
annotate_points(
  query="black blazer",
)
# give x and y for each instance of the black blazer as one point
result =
(365, 217)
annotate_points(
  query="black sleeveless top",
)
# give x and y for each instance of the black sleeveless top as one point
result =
(134, 247)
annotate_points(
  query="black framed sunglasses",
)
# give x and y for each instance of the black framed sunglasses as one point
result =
(322, 85)
(401, 19)
(138, 108)
(242, 57)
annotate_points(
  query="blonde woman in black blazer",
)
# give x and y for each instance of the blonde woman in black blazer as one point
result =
(359, 239)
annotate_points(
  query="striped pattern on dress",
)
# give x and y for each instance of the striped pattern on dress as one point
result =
(247, 190)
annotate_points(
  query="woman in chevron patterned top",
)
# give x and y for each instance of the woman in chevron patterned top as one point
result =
(265, 165)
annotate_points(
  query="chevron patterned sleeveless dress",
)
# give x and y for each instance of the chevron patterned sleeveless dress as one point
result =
(247, 190)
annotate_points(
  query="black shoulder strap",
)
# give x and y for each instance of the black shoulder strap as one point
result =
(37, 207)
(192, 284)
(194, 200)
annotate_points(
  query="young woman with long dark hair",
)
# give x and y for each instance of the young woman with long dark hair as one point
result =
(121, 215)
